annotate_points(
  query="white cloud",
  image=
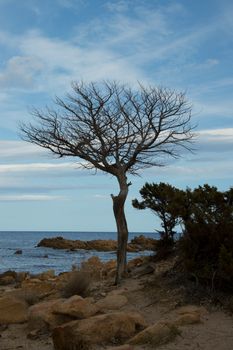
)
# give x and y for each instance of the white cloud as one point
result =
(30, 197)
(38, 167)
(66, 61)
(118, 47)
(225, 134)
(19, 149)
(100, 196)
(20, 72)
(192, 171)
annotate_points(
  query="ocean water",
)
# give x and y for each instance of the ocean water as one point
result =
(38, 259)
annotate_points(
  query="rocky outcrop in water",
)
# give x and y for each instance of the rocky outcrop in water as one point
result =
(137, 244)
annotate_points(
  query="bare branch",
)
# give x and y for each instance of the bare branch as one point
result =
(113, 127)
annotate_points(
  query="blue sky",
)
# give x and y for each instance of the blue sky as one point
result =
(45, 45)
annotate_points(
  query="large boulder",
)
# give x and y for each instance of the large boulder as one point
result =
(41, 315)
(101, 329)
(13, 310)
(76, 307)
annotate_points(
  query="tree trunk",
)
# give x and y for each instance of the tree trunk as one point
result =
(122, 229)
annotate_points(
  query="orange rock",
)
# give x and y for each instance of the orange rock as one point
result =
(101, 329)
(13, 310)
(76, 307)
(41, 315)
(157, 334)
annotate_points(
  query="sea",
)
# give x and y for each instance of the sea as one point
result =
(39, 259)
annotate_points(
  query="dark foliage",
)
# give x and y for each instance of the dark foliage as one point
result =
(206, 217)
(164, 201)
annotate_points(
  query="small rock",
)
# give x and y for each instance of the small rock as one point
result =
(191, 309)
(3, 327)
(189, 318)
(19, 251)
(34, 335)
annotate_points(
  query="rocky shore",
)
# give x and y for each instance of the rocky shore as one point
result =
(143, 313)
(137, 244)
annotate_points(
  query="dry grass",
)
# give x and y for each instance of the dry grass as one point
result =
(78, 284)
(94, 267)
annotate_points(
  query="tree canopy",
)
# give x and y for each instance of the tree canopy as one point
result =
(116, 129)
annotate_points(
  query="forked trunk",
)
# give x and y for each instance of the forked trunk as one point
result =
(122, 229)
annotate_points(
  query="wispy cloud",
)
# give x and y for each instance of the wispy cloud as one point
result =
(106, 54)
(19, 149)
(30, 197)
(38, 167)
(21, 71)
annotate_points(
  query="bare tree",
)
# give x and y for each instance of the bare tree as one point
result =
(118, 130)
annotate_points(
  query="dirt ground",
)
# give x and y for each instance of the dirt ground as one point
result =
(156, 300)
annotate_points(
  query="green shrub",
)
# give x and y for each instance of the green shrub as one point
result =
(206, 247)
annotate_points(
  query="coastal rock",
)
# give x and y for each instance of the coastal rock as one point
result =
(49, 274)
(4, 281)
(61, 243)
(18, 251)
(13, 310)
(8, 273)
(143, 243)
(41, 315)
(76, 307)
(155, 335)
(102, 245)
(96, 330)
(137, 244)
(39, 288)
